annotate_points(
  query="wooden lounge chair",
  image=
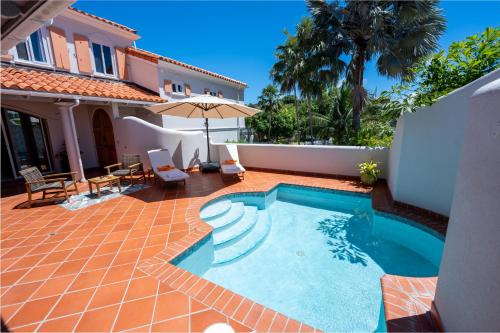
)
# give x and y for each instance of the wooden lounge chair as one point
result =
(54, 183)
(160, 158)
(130, 166)
(229, 163)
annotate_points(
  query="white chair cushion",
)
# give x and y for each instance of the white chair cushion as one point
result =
(172, 175)
(232, 168)
(230, 152)
(161, 157)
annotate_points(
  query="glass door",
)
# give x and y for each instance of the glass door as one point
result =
(27, 140)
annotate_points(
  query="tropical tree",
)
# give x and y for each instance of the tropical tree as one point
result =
(282, 124)
(269, 101)
(333, 120)
(465, 61)
(287, 70)
(397, 33)
(310, 80)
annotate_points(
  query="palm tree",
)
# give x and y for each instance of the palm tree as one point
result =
(309, 82)
(397, 33)
(286, 71)
(270, 102)
(334, 120)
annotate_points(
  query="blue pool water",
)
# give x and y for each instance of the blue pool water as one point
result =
(314, 255)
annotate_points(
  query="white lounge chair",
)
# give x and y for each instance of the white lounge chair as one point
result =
(230, 152)
(161, 157)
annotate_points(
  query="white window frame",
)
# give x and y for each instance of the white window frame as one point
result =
(46, 50)
(113, 60)
(177, 84)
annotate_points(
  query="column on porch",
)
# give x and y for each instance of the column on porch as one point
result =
(70, 137)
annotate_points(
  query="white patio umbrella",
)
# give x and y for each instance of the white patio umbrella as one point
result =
(204, 106)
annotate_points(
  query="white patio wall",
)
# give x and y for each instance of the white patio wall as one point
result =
(468, 290)
(424, 157)
(134, 135)
(338, 160)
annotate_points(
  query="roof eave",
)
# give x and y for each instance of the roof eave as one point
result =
(29, 93)
(156, 58)
(126, 32)
(226, 81)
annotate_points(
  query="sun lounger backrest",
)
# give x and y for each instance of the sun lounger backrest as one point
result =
(228, 152)
(160, 157)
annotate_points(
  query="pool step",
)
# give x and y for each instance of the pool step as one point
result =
(226, 236)
(215, 210)
(232, 215)
(247, 243)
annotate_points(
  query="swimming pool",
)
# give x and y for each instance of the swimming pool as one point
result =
(312, 254)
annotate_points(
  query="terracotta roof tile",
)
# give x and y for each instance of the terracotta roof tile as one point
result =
(153, 57)
(102, 19)
(46, 81)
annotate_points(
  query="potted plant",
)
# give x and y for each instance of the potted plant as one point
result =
(369, 172)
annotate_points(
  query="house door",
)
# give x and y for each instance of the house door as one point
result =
(104, 138)
(24, 143)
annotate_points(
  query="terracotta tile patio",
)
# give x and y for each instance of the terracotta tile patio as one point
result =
(105, 267)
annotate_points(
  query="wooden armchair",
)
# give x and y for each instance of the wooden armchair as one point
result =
(54, 183)
(130, 166)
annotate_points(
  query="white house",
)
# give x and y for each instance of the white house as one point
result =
(77, 86)
(177, 80)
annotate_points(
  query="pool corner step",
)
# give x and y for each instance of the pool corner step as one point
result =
(226, 236)
(236, 211)
(215, 210)
(246, 244)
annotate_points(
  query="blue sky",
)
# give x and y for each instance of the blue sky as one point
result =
(238, 39)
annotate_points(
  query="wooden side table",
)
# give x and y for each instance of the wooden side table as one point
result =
(108, 180)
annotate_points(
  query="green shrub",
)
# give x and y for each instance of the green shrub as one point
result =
(369, 172)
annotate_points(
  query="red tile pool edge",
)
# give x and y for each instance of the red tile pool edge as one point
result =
(405, 310)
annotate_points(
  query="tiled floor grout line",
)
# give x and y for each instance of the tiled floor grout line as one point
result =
(186, 281)
(206, 283)
(260, 316)
(135, 267)
(234, 296)
(180, 276)
(81, 270)
(70, 291)
(59, 266)
(83, 311)
(108, 306)
(208, 294)
(272, 321)
(154, 306)
(190, 313)
(183, 206)
(286, 323)
(61, 296)
(220, 295)
(48, 237)
(249, 310)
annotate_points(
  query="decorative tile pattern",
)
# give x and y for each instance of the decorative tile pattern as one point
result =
(85, 199)
(22, 78)
(408, 302)
(106, 267)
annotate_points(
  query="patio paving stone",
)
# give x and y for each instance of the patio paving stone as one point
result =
(105, 267)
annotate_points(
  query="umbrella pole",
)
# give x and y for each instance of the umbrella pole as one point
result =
(208, 141)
